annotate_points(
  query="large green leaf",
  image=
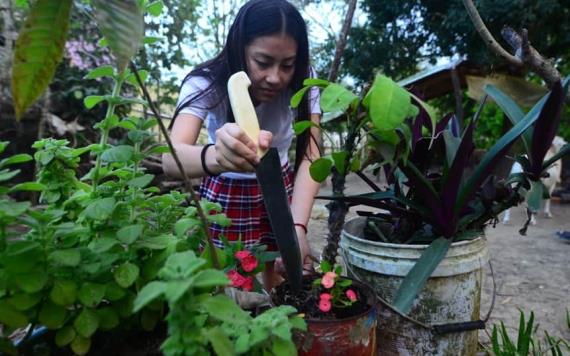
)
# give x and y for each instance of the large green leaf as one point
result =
(387, 103)
(415, 280)
(121, 22)
(126, 274)
(52, 315)
(511, 109)
(38, 51)
(10, 316)
(335, 98)
(320, 169)
(86, 323)
(149, 293)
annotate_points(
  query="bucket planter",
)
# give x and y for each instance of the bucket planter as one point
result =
(452, 294)
(342, 331)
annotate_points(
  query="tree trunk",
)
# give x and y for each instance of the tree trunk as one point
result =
(341, 42)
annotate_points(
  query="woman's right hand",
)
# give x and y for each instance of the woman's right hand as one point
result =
(235, 151)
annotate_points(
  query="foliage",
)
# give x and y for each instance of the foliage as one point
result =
(76, 262)
(241, 265)
(217, 324)
(527, 342)
(332, 289)
(434, 197)
(400, 35)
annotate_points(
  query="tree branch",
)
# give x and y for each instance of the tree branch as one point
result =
(341, 42)
(490, 41)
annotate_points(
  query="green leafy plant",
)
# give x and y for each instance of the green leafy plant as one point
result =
(433, 196)
(217, 325)
(333, 290)
(527, 342)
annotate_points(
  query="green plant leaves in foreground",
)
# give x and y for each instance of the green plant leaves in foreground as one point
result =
(39, 49)
(415, 280)
(121, 22)
(388, 103)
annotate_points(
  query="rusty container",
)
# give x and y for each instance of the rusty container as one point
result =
(354, 336)
(451, 295)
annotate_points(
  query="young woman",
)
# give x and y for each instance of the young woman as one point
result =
(268, 40)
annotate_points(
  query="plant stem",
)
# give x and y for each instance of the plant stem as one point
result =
(185, 178)
(105, 131)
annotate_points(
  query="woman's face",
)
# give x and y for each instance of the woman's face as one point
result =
(270, 63)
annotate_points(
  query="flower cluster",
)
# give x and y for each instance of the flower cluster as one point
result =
(247, 263)
(333, 290)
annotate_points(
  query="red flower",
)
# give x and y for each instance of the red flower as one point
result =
(351, 295)
(248, 284)
(247, 260)
(325, 302)
(237, 279)
(328, 280)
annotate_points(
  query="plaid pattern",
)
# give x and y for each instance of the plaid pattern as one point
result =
(242, 202)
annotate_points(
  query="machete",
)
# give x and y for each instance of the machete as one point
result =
(270, 179)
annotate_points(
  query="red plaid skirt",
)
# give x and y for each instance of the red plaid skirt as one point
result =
(242, 202)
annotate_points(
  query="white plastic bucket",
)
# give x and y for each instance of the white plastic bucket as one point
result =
(451, 295)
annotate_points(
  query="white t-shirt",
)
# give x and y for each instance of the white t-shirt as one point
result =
(275, 116)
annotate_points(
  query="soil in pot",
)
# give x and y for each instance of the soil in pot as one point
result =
(341, 331)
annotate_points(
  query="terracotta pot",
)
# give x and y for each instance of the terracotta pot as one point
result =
(354, 335)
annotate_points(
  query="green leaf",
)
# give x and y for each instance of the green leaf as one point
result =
(155, 8)
(66, 257)
(335, 98)
(100, 209)
(220, 219)
(387, 103)
(158, 150)
(21, 256)
(19, 158)
(24, 301)
(64, 292)
(28, 187)
(149, 293)
(221, 344)
(415, 280)
(90, 294)
(7, 175)
(130, 234)
(320, 169)
(534, 196)
(183, 225)
(38, 51)
(126, 274)
(81, 345)
(296, 99)
(511, 109)
(121, 22)
(430, 111)
(33, 281)
(151, 40)
(92, 100)
(108, 318)
(283, 347)
(121, 153)
(52, 315)
(86, 323)
(339, 159)
(223, 308)
(64, 336)
(321, 83)
(210, 278)
(300, 126)
(141, 182)
(11, 317)
(102, 244)
(155, 242)
(113, 292)
(99, 72)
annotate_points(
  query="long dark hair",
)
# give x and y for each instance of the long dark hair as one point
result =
(255, 19)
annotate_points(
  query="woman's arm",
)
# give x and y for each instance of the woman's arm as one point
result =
(233, 150)
(305, 189)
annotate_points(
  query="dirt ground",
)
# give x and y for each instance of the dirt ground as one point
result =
(532, 272)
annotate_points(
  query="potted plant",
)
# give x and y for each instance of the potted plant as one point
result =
(106, 252)
(340, 313)
(432, 215)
